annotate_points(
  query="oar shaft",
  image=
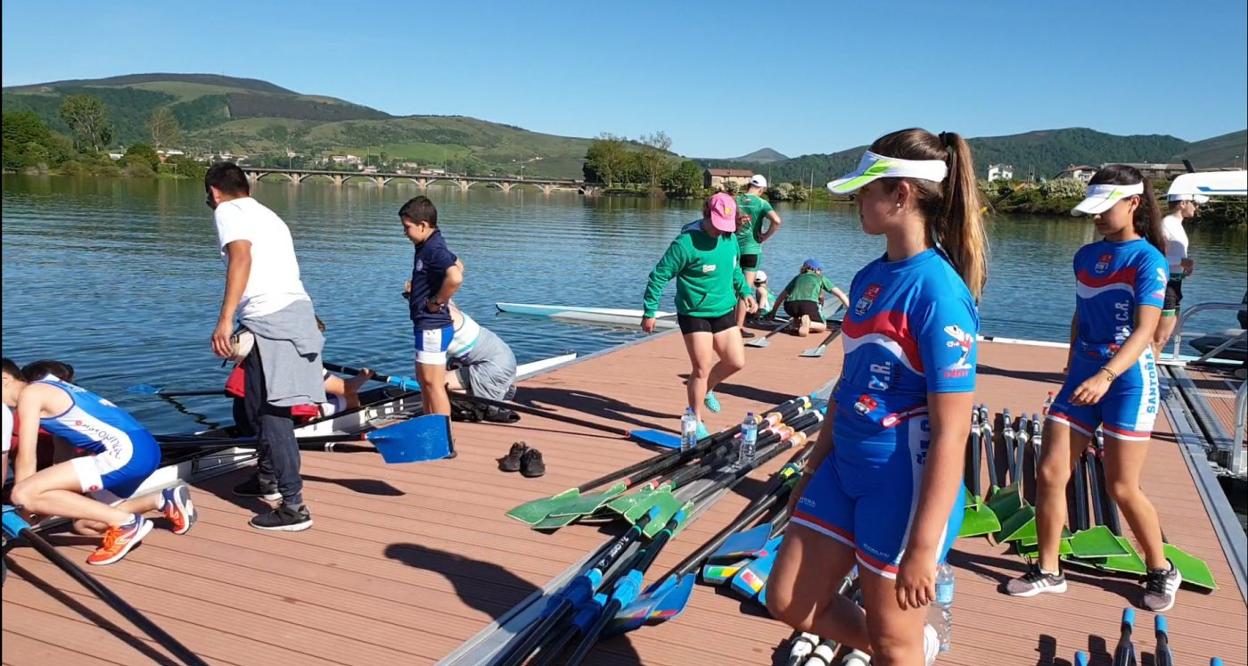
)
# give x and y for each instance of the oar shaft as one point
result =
(111, 598)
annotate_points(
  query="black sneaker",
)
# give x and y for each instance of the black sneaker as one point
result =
(1036, 582)
(1160, 587)
(252, 487)
(746, 334)
(511, 463)
(531, 464)
(283, 519)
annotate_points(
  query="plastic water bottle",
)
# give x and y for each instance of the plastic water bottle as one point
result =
(944, 601)
(749, 440)
(688, 429)
(1048, 402)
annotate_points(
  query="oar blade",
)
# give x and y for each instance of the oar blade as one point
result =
(534, 511)
(664, 602)
(814, 352)
(143, 389)
(658, 438)
(742, 544)
(421, 439)
(758, 342)
(588, 503)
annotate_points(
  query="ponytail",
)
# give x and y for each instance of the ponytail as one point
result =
(1147, 219)
(951, 208)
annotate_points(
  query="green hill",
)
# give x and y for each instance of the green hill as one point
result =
(762, 156)
(1227, 150)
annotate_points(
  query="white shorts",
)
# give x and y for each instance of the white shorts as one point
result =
(432, 343)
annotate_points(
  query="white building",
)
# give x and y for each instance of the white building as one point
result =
(1081, 172)
(1000, 172)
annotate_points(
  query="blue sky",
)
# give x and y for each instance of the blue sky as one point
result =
(722, 78)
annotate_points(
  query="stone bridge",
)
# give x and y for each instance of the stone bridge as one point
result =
(423, 181)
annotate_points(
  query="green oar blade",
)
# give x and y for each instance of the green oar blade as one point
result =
(1031, 541)
(1097, 542)
(1195, 571)
(1032, 551)
(978, 520)
(589, 502)
(625, 503)
(663, 500)
(1130, 563)
(533, 512)
(550, 523)
(1021, 525)
(1006, 502)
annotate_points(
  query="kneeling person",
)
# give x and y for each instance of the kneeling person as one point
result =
(802, 298)
(122, 454)
(484, 365)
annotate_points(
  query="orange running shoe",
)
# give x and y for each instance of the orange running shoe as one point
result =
(119, 540)
(179, 508)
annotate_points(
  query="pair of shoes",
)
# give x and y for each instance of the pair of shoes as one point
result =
(254, 488)
(283, 519)
(711, 402)
(178, 508)
(521, 458)
(119, 540)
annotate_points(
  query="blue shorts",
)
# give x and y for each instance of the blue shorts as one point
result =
(432, 343)
(866, 497)
(121, 468)
(1128, 409)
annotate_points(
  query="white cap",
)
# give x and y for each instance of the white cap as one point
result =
(757, 180)
(759, 276)
(1198, 198)
(873, 166)
(1101, 198)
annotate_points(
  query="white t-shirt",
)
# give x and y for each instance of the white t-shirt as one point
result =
(1176, 242)
(274, 281)
(7, 431)
(465, 336)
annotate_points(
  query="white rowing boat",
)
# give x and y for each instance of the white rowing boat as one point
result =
(587, 315)
(378, 405)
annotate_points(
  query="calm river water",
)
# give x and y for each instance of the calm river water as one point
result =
(122, 278)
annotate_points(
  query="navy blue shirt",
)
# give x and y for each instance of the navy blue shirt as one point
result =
(428, 272)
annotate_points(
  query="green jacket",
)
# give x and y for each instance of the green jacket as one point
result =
(748, 235)
(708, 274)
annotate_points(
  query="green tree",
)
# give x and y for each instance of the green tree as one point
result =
(606, 160)
(684, 181)
(654, 157)
(164, 127)
(141, 153)
(87, 117)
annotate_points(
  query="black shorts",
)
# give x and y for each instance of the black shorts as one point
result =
(1174, 295)
(796, 309)
(749, 262)
(690, 324)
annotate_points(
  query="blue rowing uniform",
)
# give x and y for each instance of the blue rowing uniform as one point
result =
(910, 331)
(1112, 280)
(123, 452)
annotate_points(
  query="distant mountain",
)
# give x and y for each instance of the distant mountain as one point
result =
(254, 117)
(1043, 153)
(761, 156)
(1220, 151)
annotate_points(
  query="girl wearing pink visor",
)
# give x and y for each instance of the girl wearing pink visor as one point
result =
(705, 261)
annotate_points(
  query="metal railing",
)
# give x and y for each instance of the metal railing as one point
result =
(1177, 336)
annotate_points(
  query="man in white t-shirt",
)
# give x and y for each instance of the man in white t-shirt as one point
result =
(283, 368)
(1182, 207)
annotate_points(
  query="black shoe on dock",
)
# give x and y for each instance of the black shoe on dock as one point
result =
(511, 463)
(531, 465)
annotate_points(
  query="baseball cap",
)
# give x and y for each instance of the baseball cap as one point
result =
(757, 180)
(723, 212)
(760, 277)
(813, 263)
(1100, 198)
(874, 166)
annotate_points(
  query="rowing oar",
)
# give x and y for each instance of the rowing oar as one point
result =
(627, 588)
(410, 384)
(766, 339)
(17, 528)
(148, 389)
(817, 352)
(535, 511)
(423, 438)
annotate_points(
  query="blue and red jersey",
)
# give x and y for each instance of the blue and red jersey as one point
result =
(1112, 279)
(94, 424)
(910, 331)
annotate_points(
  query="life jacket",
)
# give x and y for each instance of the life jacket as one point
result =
(236, 385)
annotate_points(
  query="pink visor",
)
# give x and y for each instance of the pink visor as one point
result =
(724, 212)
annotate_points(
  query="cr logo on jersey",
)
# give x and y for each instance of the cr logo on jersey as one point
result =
(1103, 264)
(420, 265)
(964, 341)
(865, 404)
(867, 300)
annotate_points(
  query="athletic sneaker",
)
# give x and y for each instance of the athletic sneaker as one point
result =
(702, 432)
(511, 462)
(531, 465)
(119, 540)
(283, 519)
(179, 508)
(1160, 588)
(711, 402)
(252, 487)
(1036, 582)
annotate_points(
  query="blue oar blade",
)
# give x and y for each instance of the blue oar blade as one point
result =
(742, 544)
(655, 438)
(420, 439)
(143, 389)
(13, 522)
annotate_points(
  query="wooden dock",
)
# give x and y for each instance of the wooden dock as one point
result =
(405, 563)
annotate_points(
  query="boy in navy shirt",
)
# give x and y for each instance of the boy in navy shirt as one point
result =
(436, 274)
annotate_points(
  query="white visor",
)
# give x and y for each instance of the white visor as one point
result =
(873, 167)
(1101, 198)
(1198, 198)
